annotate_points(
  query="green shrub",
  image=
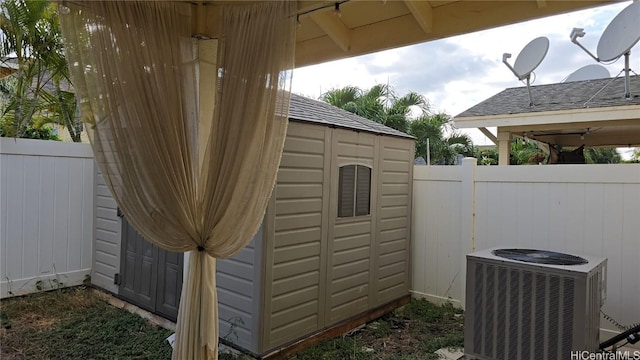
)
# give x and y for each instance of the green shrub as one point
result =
(31, 131)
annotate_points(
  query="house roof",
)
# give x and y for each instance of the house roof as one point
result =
(308, 110)
(557, 97)
(590, 113)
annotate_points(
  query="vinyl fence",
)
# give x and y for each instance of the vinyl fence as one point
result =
(578, 209)
(46, 214)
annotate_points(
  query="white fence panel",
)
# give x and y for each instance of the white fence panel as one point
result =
(436, 253)
(582, 209)
(46, 214)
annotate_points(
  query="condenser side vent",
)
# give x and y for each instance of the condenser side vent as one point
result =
(528, 312)
(516, 308)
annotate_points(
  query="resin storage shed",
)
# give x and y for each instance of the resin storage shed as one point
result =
(334, 243)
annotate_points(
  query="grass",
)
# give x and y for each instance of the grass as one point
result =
(412, 332)
(75, 323)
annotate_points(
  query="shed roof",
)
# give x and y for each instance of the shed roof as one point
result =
(319, 112)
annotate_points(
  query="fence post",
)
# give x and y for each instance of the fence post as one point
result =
(467, 218)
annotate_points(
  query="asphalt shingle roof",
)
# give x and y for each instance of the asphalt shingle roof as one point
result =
(314, 111)
(561, 96)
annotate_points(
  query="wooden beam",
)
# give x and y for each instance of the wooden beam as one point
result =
(451, 18)
(332, 25)
(489, 134)
(591, 116)
(307, 6)
(423, 13)
(622, 139)
(610, 124)
(541, 3)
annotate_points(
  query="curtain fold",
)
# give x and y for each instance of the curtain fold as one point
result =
(135, 69)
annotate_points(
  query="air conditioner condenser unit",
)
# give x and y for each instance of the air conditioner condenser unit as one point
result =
(532, 304)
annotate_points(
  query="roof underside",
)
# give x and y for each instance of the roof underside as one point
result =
(591, 113)
(307, 110)
(367, 26)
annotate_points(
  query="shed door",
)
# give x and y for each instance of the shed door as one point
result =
(150, 277)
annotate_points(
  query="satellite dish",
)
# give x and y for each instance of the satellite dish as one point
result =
(531, 56)
(618, 38)
(528, 60)
(588, 72)
(621, 35)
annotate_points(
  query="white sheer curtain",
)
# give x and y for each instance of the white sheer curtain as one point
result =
(134, 68)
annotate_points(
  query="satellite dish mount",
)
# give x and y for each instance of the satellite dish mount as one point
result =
(618, 38)
(528, 60)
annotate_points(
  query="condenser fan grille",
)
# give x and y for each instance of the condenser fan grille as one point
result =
(540, 256)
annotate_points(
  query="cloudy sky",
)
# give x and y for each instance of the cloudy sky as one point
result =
(459, 72)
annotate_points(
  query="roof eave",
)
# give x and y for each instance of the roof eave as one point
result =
(333, 125)
(627, 112)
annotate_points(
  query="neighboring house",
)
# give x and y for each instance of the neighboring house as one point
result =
(571, 114)
(7, 67)
(334, 243)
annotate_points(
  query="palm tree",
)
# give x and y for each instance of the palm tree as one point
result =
(378, 103)
(382, 105)
(400, 110)
(444, 141)
(61, 108)
(30, 33)
(342, 96)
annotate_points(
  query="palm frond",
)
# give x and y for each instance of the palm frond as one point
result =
(380, 92)
(458, 138)
(404, 104)
(339, 97)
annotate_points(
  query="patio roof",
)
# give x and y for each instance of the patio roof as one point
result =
(590, 112)
(368, 26)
